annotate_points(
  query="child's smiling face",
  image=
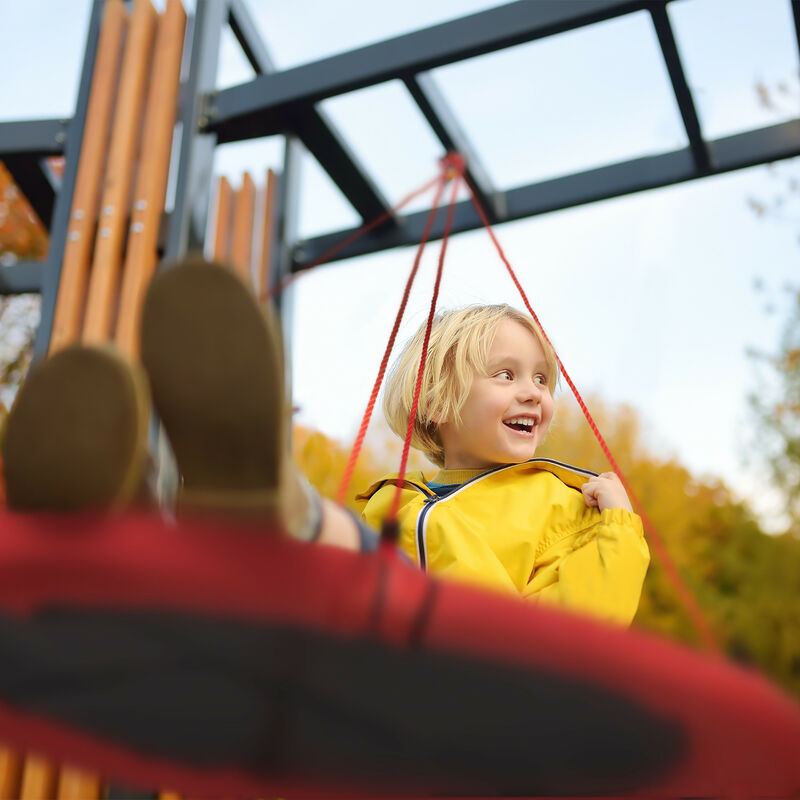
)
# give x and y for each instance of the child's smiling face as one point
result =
(508, 409)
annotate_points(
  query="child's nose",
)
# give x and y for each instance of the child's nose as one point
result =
(529, 390)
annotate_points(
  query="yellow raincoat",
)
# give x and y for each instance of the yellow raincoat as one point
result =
(525, 529)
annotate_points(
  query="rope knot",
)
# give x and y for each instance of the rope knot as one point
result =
(453, 165)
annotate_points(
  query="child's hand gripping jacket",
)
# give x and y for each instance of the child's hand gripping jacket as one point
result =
(523, 528)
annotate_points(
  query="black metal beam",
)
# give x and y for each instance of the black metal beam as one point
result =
(315, 130)
(24, 277)
(683, 94)
(796, 14)
(247, 34)
(38, 137)
(260, 107)
(445, 125)
(760, 146)
(30, 176)
(187, 226)
(731, 153)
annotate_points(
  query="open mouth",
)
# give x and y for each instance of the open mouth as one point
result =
(521, 424)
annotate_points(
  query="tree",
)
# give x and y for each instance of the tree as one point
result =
(776, 400)
(746, 582)
(777, 410)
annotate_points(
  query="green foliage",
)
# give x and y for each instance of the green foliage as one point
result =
(777, 409)
(746, 582)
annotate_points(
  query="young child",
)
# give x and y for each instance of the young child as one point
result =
(493, 515)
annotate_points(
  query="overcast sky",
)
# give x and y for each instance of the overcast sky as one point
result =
(649, 298)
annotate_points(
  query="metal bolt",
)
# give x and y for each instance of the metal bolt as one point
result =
(105, 233)
(77, 213)
(61, 137)
(137, 227)
(108, 210)
(141, 205)
(74, 236)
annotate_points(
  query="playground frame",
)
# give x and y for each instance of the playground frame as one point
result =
(285, 103)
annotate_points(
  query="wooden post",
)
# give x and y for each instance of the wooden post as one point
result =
(10, 774)
(114, 206)
(242, 237)
(75, 784)
(151, 182)
(267, 235)
(39, 778)
(83, 216)
(222, 220)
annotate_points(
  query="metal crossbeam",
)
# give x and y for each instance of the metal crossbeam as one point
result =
(196, 155)
(260, 107)
(680, 87)
(727, 154)
(445, 125)
(24, 277)
(38, 137)
(317, 133)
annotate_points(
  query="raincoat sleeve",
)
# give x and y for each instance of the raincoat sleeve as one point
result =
(599, 570)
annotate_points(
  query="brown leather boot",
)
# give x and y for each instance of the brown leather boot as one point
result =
(215, 365)
(76, 436)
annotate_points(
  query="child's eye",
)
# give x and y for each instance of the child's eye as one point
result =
(540, 379)
(505, 374)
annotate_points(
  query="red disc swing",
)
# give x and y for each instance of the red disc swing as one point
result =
(200, 657)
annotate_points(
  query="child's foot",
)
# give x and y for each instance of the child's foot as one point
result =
(215, 365)
(76, 437)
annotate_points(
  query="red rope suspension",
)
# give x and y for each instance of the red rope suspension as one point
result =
(453, 166)
(685, 596)
(457, 167)
(276, 290)
(359, 441)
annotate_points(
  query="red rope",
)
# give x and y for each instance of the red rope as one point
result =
(687, 599)
(359, 441)
(392, 517)
(276, 290)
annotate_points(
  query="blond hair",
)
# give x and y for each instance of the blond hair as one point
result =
(458, 350)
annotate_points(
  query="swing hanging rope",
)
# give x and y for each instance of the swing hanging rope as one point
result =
(452, 167)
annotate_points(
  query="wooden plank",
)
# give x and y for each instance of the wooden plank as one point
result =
(222, 220)
(83, 216)
(151, 183)
(267, 234)
(115, 203)
(39, 778)
(242, 238)
(75, 784)
(10, 774)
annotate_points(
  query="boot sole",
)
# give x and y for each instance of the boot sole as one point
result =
(216, 374)
(76, 437)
